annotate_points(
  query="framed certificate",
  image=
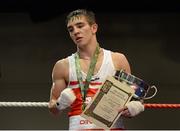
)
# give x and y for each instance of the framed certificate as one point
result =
(103, 110)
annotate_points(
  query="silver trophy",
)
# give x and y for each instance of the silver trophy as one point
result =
(141, 87)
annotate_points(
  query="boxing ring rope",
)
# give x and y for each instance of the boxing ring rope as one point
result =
(45, 104)
(148, 105)
(23, 104)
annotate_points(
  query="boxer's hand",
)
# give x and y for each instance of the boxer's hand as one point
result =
(52, 107)
(132, 109)
(52, 104)
(66, 98)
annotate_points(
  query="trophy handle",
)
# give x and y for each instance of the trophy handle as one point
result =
(155, 91)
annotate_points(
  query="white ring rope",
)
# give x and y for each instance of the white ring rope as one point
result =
(23, 104)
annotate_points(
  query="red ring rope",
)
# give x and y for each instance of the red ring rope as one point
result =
(148, 105)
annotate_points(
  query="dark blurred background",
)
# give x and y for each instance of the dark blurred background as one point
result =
(33, 37)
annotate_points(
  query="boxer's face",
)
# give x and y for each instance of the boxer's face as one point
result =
(80, 31)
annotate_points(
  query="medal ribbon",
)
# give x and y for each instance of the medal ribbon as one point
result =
(84, 87)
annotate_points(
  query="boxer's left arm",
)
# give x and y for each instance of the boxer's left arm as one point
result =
(120, 62)
(132, 108)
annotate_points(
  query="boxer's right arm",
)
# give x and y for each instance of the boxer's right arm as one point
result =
(59, 83)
